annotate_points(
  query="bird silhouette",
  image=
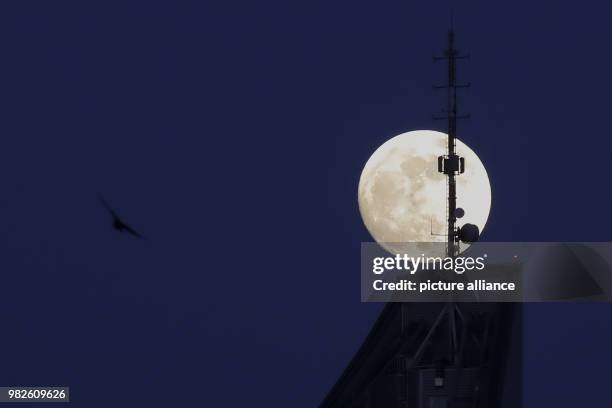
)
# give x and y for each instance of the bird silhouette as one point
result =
(118, 223)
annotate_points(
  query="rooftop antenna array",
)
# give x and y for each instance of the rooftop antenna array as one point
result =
(434, 354)
(451, 164)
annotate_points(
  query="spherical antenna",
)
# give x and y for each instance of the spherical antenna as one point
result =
(469, 233)
(459, 212)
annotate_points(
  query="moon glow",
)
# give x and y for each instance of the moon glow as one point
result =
(402, 196)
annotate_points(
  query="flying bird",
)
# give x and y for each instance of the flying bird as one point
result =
(118, 223)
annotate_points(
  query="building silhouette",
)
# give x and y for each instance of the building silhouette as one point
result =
(439, 355)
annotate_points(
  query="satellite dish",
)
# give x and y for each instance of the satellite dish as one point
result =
(469, 233)
(459, 212)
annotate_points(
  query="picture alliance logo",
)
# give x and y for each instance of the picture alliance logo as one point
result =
(413, 264)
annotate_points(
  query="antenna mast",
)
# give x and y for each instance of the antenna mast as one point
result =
(451, 164)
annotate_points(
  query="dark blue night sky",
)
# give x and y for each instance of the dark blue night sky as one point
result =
(232, 135)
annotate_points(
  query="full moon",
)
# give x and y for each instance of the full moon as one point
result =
(402, 196)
